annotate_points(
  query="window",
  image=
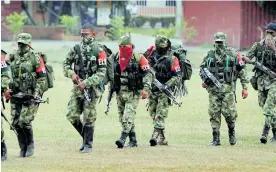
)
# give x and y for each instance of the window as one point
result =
(141, 3)
(170, 3)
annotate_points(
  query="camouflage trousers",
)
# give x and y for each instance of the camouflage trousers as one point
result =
(158, 109)
(78, 105)
(22, 115)
(267, 101)
(222, 103)
(127, 104)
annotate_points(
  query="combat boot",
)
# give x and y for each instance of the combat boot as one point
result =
(263, 139)
(79, 127)
(273, 139)
(155, 134)
(231, 133)
(88, 138)
(121, 142)
(3, 151)
(30, 140)
(132, 140)
(162, 140)
(216, 138)
(21, 141)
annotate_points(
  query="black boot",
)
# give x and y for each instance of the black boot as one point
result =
(88, 138)
(231, 133)
(263, 139)
(121, 142)
(22, 141)
(79, 127)
(3, 151)
(132, 140)
(162, 140)
(30, 140)
(216, 138)
(273, 139)
(154, 137)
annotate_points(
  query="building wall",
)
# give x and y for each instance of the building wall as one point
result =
(253, 21)
(214, 16)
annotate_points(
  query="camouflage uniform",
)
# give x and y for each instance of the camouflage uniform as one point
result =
(89, 61)
(222, 62)
(266, 85)
(29, 77)
(167, 69)
(128, 85)
(4, 87)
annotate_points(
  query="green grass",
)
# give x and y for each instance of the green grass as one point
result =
(143, 31)
(188, 133)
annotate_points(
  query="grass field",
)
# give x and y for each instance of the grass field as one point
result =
(188, 133)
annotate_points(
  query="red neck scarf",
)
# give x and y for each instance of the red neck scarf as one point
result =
(125, 56)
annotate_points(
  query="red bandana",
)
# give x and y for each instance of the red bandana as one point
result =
(125, 56)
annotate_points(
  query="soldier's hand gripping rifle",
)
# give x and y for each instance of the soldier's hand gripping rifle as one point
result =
(165, 89)
(86, 95)
(206, 74)
(109, 97)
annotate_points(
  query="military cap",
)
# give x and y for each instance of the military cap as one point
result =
(220, 36)
(24, 38)
(271, 26)
(160, 40)
(124, 40)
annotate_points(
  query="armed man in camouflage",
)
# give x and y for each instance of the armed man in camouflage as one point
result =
(167, 69)
(131, 79)
(87, 74)
(224, 64)
(265, 53)
(4, 85)
(29, 77)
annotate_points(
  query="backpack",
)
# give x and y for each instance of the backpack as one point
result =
(49, 72)
(185, 64)
(179, 52)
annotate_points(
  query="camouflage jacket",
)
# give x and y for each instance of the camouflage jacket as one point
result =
(269, 58)
(93, 69)
(28, 73)
(219, 66)
(4, 74)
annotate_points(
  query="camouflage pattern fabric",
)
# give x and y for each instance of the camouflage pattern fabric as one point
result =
(127, 104)
(266, 85)
(158, 109)
(77, 103)
(222, 103)
(22, 115)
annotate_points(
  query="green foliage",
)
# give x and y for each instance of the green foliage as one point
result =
(15, 23)
(70, 22)
(117, 28)
(189, 32)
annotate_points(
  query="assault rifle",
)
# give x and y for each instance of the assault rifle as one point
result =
(2, 114)
(27, 98)
(164, 89)
(206, 74)
(261, 67)
(109, 97)
(86, 95)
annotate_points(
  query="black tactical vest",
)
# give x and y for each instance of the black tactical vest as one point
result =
(268, 59)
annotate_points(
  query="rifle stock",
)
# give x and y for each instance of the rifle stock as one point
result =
(109, 97)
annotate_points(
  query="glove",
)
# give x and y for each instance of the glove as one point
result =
(244, 93)
(203, 85)
(75, 78)
(144, 94)
(7, 94)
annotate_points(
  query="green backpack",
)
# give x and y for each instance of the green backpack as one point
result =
(185, 64)
(49, 72)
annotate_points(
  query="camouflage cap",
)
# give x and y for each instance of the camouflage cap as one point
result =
(220, 36)
(124, 40)
(24, 38)
(160, 40)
